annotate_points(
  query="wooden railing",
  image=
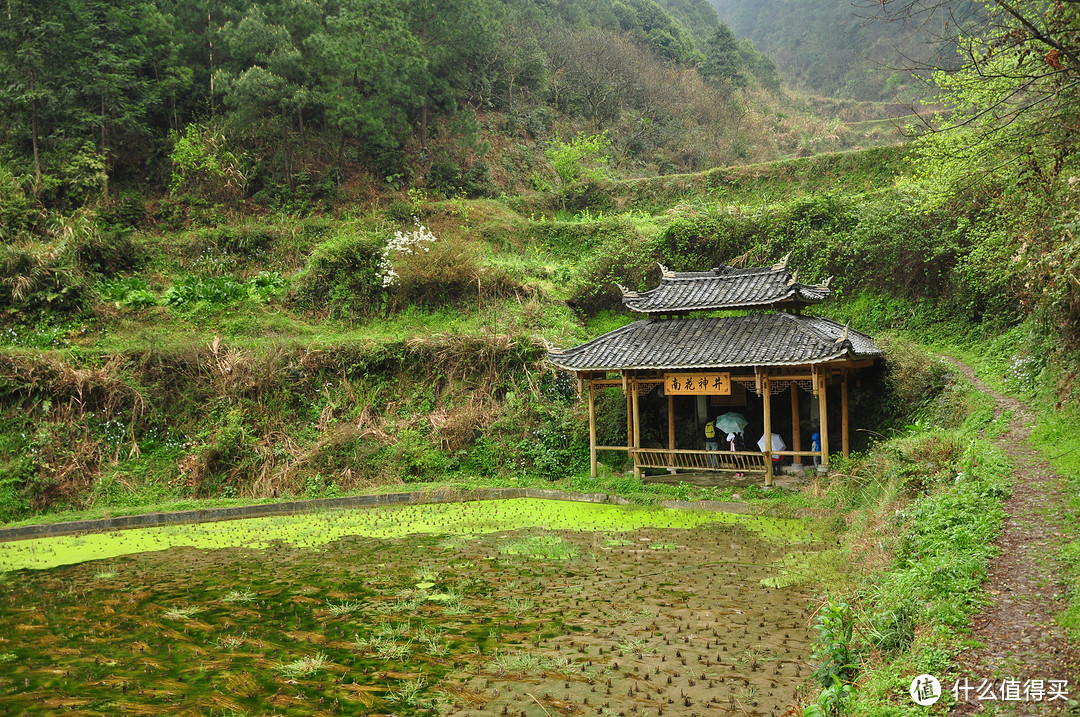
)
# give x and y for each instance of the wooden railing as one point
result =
(739, 461)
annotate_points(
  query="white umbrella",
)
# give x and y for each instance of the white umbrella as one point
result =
(777, 443)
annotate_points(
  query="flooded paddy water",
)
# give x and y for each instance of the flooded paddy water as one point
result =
(513, 607)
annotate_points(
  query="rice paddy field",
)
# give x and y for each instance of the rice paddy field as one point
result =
(514, 607)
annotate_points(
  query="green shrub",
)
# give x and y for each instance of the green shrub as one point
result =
(17, 214)
(417, 458)
(447, 274)
(41, 276)
(193, 290)
(107, 253)
(698, 241)
(203, 163)
(249, 239)
(627, 261)
(130, 292)
(123, 213)
(915, 379)
(342, 277)
(265, 286)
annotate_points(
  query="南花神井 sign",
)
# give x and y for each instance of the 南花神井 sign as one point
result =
(697, 384)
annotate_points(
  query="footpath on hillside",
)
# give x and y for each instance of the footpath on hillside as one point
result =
(1021, 642)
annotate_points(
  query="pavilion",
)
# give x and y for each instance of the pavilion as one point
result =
(767, 348)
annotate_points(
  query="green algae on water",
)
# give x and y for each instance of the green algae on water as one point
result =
(386, 522)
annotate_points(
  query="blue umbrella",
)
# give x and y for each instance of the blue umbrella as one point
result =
(731, 422)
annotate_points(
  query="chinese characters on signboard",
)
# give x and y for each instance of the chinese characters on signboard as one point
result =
(697, 384)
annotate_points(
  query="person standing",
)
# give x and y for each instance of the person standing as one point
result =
(735, 444)
(712, 443)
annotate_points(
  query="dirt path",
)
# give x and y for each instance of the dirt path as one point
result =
(1019, 636)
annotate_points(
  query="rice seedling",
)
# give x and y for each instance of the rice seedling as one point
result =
(389, 629)
(304, 667)
(343, 608)
(747, 696)
(387, 650)
(238, 596)
(457, 608)
(407, 693)
(426, 574)
(105, 575)
(557, 663)
(616, 542)
(632, 646)
(518, 605)
(503, 663)
(540, 547)
(405, 604)
(663, 546)
(230, 642)
(434, 643)
(182, 613)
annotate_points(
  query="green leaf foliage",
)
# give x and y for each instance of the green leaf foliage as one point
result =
(342, 277)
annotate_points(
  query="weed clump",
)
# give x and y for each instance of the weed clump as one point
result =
(342, 277)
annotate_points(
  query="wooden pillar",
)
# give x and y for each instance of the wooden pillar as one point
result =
(637, 428)
(671, 430)
(592, 429)
(766, 396)
(823, 419)
(796, 429)
(629, 415)
(844, 440)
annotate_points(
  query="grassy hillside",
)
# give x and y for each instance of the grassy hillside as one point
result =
(253, 354)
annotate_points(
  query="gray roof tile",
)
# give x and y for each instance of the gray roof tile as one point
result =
(724, 342)
(726, 288)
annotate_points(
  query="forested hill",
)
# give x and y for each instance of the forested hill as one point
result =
(849, 48)
(98, 92)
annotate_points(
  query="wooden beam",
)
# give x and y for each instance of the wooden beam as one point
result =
(637, 428)
(766, 394)
(796, 429)
(592, 429)
(844, 442)
(671, 425)
(607, 382)
(823, 420)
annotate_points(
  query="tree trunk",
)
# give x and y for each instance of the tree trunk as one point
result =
(424, 107)
(210, 41)
(34, 136)
(303, 146)
(104, 154)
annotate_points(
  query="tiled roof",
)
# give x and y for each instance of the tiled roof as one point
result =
(733, 341)
(726, 288)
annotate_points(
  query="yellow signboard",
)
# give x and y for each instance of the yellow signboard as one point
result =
(697, 384)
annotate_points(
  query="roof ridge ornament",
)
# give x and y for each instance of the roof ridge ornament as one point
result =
(794, 278)
(782, 264)
(627, 293)
(844, 334)
(668, 273)
(551, 348)
(825, 284)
